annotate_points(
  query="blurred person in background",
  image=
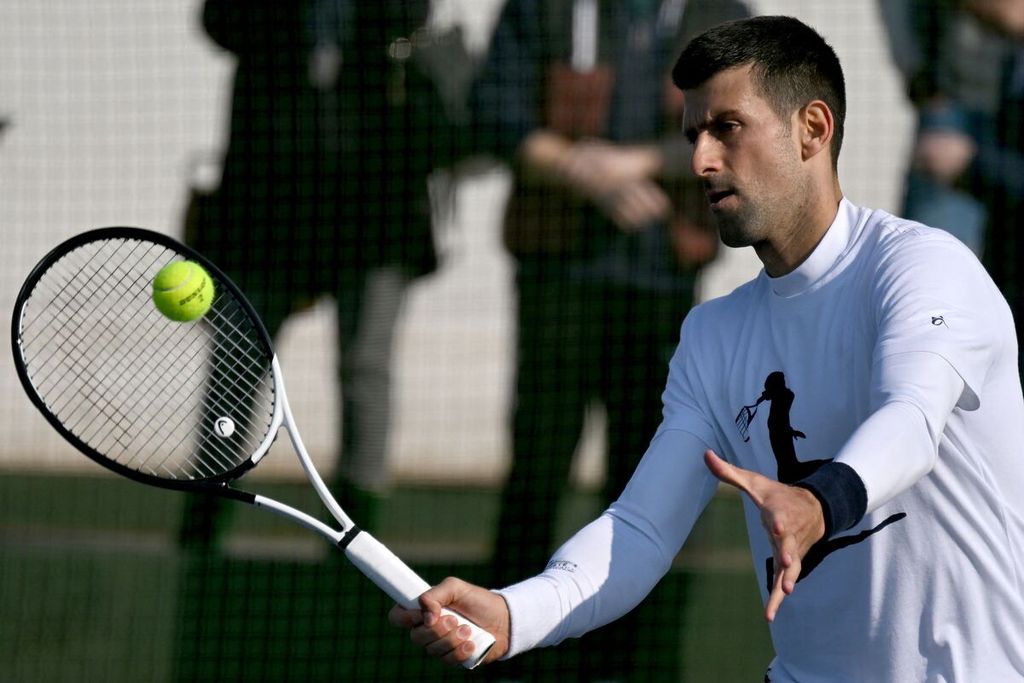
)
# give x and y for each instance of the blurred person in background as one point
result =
(608, 229)
(952, 65)
(333, 133)
(962, 63)
(996, 171)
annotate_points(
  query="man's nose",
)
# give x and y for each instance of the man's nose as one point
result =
(705, 158)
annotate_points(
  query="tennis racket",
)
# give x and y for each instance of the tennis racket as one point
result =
(188, 406)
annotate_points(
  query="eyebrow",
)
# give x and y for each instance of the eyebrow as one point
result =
(691, 131)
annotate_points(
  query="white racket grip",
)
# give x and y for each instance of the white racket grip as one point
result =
(405, 586)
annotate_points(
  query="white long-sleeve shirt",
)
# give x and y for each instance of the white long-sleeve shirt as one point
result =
(888, 350)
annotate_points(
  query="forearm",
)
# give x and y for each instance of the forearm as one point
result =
(611, 564)
(543, 154)
(896, 445)
(601, 573)
(549, 152)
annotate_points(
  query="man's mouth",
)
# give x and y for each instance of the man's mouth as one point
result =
(715, 197)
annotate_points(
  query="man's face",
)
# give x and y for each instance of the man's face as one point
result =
(747, 157)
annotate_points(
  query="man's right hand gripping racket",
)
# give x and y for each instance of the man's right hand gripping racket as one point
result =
(182, 405)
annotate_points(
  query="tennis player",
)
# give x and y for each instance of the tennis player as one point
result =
(880, 450)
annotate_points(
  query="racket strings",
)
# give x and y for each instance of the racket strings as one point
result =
(153, 369)
(114, 373)
(228, 395)
(80, 331)
(137, 388)
(69, 307)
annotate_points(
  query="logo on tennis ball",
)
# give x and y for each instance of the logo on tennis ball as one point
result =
(224, 427)
(183, 291)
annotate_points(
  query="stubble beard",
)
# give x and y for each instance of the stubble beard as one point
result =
(738, 228)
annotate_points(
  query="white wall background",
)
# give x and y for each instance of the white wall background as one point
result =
(111, 98)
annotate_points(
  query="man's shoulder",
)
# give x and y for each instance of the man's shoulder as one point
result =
(729, 307)
(897, 253)
(887, 228)
(893, 241)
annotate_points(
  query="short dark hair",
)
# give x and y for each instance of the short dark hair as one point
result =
(791, 65)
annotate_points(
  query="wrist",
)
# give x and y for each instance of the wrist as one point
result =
(841, 493)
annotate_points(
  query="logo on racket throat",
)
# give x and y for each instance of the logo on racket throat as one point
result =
(224, 427)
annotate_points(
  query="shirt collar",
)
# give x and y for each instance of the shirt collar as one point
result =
(823, 259)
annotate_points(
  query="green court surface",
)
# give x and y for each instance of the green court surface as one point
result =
(94, 588)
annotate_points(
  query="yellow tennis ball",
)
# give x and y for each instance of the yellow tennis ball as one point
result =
(183, 291)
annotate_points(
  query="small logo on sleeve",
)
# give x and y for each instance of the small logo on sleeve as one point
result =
(563, 565)
(938, 320)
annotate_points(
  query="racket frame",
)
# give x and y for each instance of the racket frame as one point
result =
(370, 556)
(215, 484)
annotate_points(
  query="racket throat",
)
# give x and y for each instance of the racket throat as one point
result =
(350, 535)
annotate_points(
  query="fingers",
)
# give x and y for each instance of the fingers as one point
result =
(787, 572)
(442, 637)
(776, 596)
(440, 627)
(790, 516)
(439, 635)
(405, 618)
(715, 464)
(742, 479)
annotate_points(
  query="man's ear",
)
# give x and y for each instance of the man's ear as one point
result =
(816, 127)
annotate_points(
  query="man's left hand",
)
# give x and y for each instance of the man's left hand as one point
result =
(791, 516)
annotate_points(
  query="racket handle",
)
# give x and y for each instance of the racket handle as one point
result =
(405, 586)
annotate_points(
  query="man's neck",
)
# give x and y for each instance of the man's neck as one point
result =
(785, 255)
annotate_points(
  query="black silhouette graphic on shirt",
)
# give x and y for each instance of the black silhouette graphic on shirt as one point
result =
(790, 470)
